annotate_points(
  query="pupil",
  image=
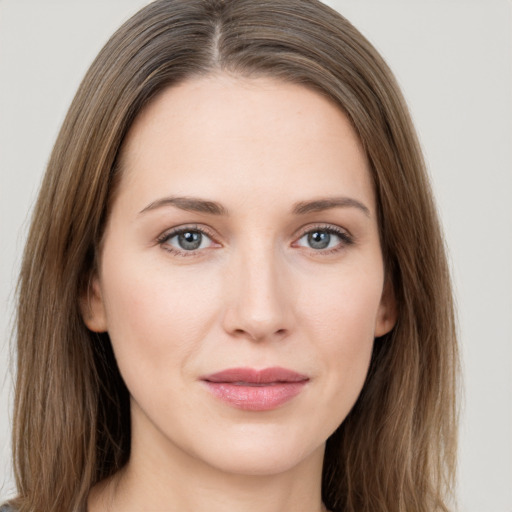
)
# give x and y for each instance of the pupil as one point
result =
(190, 240)
(319, 239)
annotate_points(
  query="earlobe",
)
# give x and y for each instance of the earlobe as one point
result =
(92, 307)
(387, 313)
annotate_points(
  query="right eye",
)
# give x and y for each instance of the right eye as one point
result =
(185, 241)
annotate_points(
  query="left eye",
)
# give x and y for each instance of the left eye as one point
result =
(320, 239)
(188, 240)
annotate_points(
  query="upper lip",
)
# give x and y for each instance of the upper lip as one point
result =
(253, 376)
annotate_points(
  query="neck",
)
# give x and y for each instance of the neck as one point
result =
(164, 477)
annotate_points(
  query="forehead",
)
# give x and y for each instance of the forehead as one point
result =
(218, 132)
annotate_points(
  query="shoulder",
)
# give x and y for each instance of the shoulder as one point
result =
(6, 508)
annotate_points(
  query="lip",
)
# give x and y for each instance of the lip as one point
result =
(255, 390)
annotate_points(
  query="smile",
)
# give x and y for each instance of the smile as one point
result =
(255, 390)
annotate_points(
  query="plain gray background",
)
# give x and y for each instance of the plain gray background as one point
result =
(453, 59)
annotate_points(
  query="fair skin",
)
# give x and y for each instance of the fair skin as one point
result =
(284, 270)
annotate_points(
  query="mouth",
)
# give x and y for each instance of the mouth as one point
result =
(255, 390)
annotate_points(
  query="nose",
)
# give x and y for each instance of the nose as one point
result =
(259, 300)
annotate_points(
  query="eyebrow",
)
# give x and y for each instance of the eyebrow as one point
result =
(321, 205)
(194, 204)
(191, 204)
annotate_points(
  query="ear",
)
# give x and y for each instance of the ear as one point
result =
(387, 313)
(92, 306)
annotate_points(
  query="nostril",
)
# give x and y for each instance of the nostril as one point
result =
(259, 335)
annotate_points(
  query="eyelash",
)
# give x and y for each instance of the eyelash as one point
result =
(345, 239)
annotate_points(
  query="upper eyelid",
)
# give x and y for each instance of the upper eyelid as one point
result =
(321, 226)
(169, 233)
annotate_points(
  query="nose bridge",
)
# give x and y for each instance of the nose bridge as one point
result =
(259, 306)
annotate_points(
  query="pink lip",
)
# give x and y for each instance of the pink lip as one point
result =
(255, 390)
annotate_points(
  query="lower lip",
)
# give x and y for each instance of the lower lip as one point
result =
(256, 398)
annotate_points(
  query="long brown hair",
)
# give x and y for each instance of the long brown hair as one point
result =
(396, 449)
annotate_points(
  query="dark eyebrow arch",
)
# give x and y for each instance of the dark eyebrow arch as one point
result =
(320, 205)
(191, 204)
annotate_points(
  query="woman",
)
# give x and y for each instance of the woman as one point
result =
(234, 294)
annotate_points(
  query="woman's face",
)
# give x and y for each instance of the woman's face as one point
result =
(241, 278)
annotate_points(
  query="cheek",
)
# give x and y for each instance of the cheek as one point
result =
(341, 316)
(345, 303)
(153, 316)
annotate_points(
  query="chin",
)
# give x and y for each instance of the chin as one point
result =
(252, 452)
